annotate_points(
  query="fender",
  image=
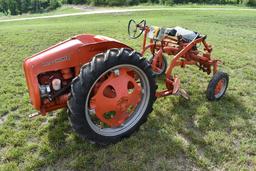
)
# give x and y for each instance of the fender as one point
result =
(71, 53)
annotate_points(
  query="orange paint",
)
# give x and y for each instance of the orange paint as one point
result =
(112, 95)
(71, 53)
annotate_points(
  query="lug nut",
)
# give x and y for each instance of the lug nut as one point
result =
(116, 72)
(92, 112)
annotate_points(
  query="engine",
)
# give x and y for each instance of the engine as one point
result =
(54, 86)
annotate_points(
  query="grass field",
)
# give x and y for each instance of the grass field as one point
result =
(179, 135)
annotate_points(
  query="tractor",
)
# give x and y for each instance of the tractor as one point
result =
(108, 87)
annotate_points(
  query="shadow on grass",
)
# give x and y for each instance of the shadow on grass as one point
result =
(154, 146)
(140, 151)
(208, 126)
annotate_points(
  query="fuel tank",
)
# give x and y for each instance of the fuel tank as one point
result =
(71, 53)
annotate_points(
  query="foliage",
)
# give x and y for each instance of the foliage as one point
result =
(132, 2)
(251, 2)
(75, 1)
(163, 2)
(53, 5)
(4, 7)
(167, 2)
(17, 7)
(116, 2)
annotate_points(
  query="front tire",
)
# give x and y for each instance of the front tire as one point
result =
(112, 96)
(217, 86)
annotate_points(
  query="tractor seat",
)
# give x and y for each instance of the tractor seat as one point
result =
(187, 35)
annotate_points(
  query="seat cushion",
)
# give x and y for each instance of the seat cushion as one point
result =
(187, 35)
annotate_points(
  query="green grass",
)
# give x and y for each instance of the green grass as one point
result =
(179, 134)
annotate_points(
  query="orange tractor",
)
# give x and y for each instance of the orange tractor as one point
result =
(108, 87)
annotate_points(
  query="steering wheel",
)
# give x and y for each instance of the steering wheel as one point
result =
(135, 30)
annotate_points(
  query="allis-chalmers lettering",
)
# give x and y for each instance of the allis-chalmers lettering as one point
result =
(62, 59)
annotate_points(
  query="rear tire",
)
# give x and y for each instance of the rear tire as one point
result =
(217, 86)
(83, 86)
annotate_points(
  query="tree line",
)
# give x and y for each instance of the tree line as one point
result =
(162, 2)
(17, 7)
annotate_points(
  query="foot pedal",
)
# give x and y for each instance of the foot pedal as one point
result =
(183, 93)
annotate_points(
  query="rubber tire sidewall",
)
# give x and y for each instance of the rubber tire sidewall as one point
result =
(213, 83)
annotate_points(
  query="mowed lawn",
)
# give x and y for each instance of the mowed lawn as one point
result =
(179, 134)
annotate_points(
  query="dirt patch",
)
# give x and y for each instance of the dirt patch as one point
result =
(46, 119)
(180, 162)
(61, 164)
(3, 119)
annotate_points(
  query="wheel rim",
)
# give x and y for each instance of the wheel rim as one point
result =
(220, 88)
(117, 100)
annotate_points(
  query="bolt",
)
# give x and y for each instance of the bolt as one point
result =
(92, 112)
(116, 72)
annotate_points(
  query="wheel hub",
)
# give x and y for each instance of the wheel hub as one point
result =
(116, 98)
(123, 104)
(219, 87)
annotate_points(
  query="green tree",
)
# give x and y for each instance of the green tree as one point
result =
(116, 2)
(98, 2)
(166, 2)
(132, 2)
(12, 5)
(53, 5)
(251, 2)
(4, 8)
(25, 5)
